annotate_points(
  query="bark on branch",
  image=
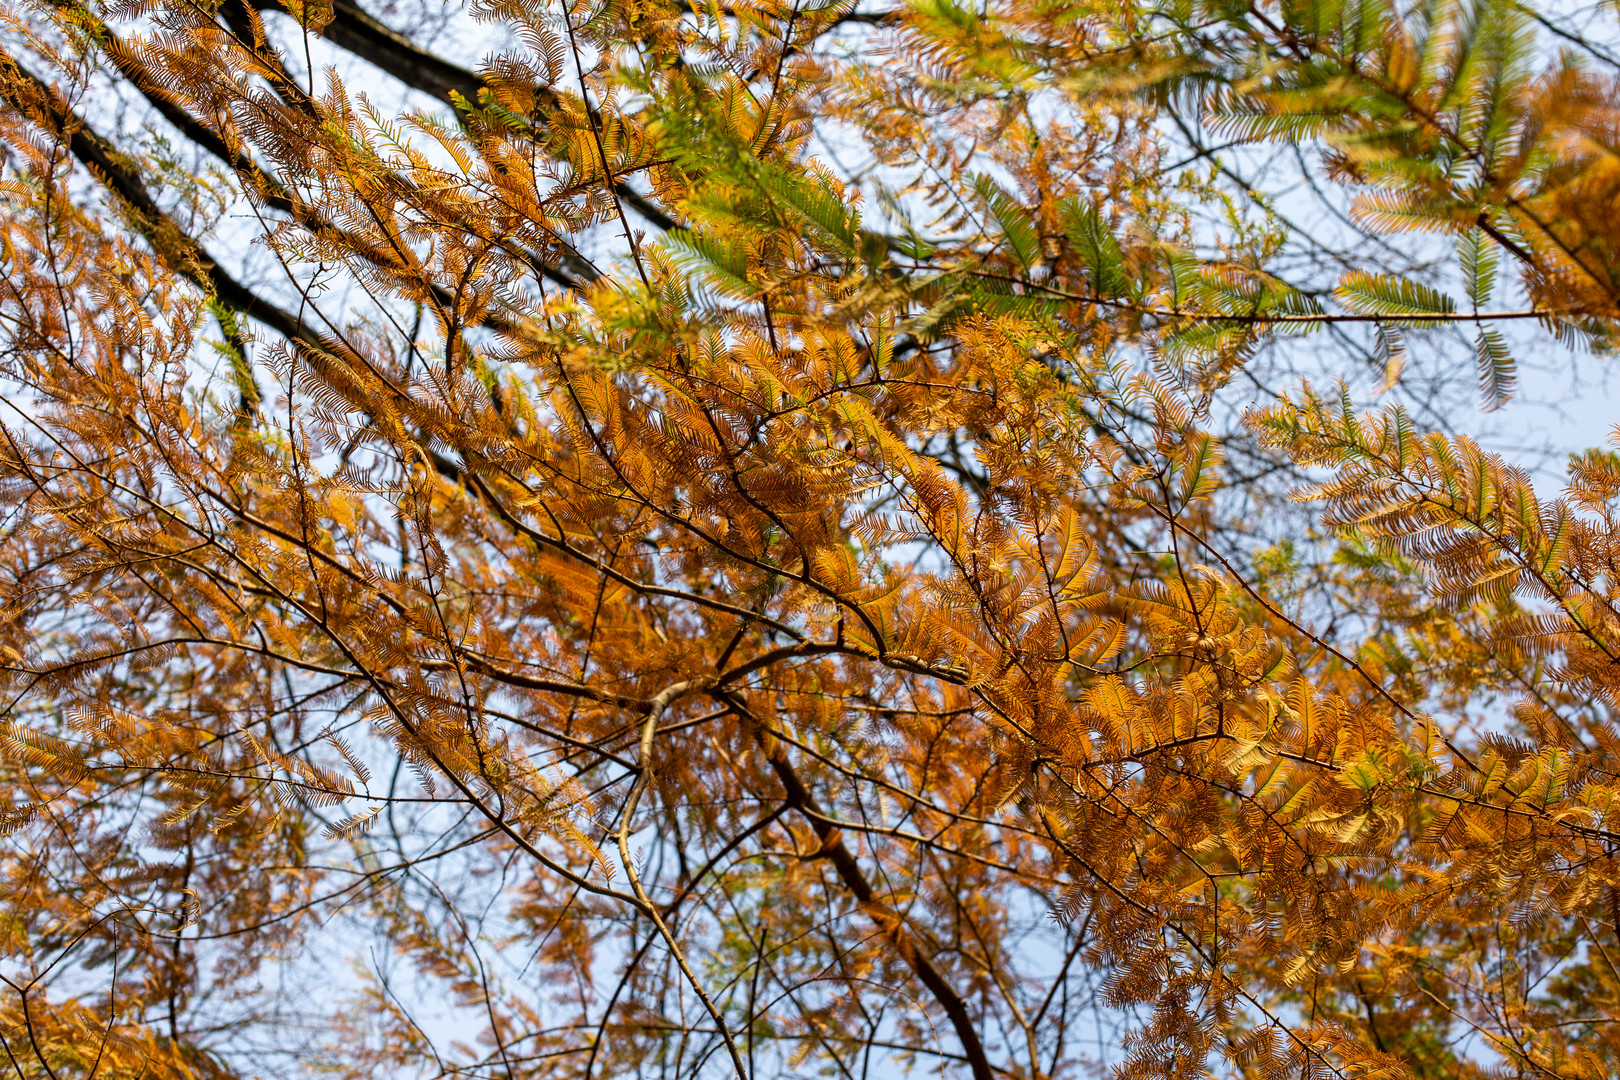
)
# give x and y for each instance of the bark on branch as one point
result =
(891, 923)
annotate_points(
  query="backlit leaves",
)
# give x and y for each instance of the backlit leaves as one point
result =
(704, 607)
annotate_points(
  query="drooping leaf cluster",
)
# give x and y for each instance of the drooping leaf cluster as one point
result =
(725, 540)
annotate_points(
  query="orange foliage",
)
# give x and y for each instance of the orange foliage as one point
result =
(630, 594)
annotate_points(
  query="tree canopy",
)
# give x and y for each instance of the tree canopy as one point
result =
(614, 538)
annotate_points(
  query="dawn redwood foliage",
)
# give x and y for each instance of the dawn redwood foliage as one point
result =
(727, 540)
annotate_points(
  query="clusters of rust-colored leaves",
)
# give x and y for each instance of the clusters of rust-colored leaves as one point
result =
(611, 603)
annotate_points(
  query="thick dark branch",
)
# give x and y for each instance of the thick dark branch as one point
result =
(848, 18)
(276, 195)
(892, 923)
(35, 99)
(181, 252)
(356, 32)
